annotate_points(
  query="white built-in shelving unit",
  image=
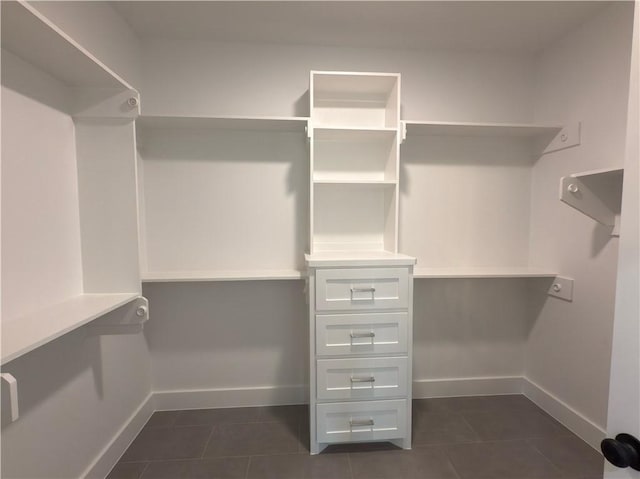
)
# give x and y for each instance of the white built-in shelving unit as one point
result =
(354, 137)
(465, 196)
(360, 287)
(69, 235)
(222, 198)
(356, 165)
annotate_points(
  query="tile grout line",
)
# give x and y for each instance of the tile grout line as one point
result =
(246, 472)
(144, 469)
(350, 466)
(206, 444)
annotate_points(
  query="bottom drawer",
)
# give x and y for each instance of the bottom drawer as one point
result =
(361, 421)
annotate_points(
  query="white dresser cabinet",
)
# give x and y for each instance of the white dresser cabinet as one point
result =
(360, 328)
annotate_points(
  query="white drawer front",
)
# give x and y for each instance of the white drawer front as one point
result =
(361, 421)
(362, 378)
(361, 333)
(362, 288)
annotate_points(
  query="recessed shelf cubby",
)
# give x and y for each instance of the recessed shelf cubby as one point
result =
(355, 99)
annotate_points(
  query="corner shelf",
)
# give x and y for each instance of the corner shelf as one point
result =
(31, 36)
(482, 272)
(24, 334)
(595, 193)
(203, 276)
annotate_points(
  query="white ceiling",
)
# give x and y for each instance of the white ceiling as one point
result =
(505, 26)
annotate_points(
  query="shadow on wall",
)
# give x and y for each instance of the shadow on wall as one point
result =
(538, 297)
(217, 335)
(301, 105)
(47, 370)
(469, 327)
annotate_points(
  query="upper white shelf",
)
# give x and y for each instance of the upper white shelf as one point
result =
(483, 272)
(269, 123)
(436, 128)
(24, 334)
(239, 275)
(31, 36)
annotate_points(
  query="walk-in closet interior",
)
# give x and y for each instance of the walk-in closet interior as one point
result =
(346, 205)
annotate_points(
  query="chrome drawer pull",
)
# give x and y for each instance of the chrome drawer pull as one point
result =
(361, 422)
(368, 379)
(363, 290)
(370, 334)
(371, 290)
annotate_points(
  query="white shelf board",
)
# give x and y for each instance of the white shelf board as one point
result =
(239, 275)
(356, 182)
(358, 258)
(331, 132)
(438, 128)
(31, 36)
(483, 272)
(24, 334)
(268, 123)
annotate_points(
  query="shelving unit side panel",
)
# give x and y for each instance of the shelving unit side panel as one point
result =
(312, 168)
(108, 205)
(41, 260)
(465, 202)
(225, 200)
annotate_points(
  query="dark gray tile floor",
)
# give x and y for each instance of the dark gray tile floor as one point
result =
(497, 437)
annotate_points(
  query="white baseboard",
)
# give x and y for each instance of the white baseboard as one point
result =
(231, 397)
(430, 388)
(111, 453)
(588, 431)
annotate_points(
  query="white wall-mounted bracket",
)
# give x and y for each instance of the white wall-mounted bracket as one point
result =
(562, 288)
(106, 103)
(131, 322)
(568, 137)
(597, 194)
(9, 398)
(403, 131)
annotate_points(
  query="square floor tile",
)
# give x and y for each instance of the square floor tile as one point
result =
(163, 443)
(219, 468)
(501, 460)
(127, 470)
(441, 428)
(300, 466)
(234, 415)
(162, 419)
(571, 455)
(502, 425)
(415, 464)
(254, 438)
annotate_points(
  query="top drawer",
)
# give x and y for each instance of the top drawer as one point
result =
(362, 288)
